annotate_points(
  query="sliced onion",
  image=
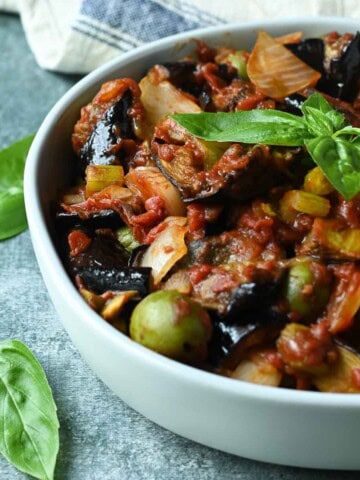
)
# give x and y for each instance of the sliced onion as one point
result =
(257, 369)
(345, 301)
(167, 248)
(276, 71)
(150, 182)
(339, 378)
(161, 99)
(293, 37)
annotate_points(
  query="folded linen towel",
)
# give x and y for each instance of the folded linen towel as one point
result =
(79, 35)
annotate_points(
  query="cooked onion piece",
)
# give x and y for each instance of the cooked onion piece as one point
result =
(276, 71)
(295, 201)
(150, 182)
(344, 376)
(161, 99)
(293, 37)
(345, 300)
(256, 368)
(168, 247)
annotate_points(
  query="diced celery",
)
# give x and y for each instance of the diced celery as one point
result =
(316, 182)
(238, 61)
(101, 176)
(127, 239)
(298, 201)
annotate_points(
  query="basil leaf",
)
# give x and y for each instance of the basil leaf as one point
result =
(339, 160)
(29, 435)
(349, 130)
(12, 208)
(317, 101)
(317, 122)
(271, 127)
(320, 118)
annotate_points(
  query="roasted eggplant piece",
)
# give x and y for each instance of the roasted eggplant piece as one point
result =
(102, 219)
(104, 266)
(252, 296)
(239, 245)
(293, 103)
(311, 51)
(342, 79)
(104, 251)
(101, 280)
(103, 147)
(231, 290)
(181, 75)
(202, 171)
(230, 342)
(339, 79)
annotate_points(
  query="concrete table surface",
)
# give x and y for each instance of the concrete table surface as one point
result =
(101, 438)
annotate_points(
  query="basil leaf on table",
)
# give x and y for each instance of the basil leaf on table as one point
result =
(12, 208)
(29, 428)
(272, 127)
(339, 160)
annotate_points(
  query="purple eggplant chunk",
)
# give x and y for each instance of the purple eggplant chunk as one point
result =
(256, 296)
(101, 280)
(231, 341)
(342, 80)
(100, 148)
(104, 266)
(310, 51)
(103, 219)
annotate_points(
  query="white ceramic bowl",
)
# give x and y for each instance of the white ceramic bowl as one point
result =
(289, 427)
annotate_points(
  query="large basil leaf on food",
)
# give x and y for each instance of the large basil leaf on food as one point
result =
(339, 160)
(320, 118)
(272, 127)
(29, 436)
(12, 209)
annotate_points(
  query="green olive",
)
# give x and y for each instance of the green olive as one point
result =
(172, 324)
(306, 295)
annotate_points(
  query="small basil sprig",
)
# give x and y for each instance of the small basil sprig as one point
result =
(29, 428)
(335, 148)
(12, 209)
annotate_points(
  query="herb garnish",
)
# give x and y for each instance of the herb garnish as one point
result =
(29, 428)
(334, 147)
(12, 209)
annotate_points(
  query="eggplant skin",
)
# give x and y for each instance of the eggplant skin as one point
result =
(311, 51)
(104, 252)
(251, 296)
(230, 342)
(293, 103)
(100, 148)
(181, 75)
(103, 219)
(104, 266)
(341, 80)
(256, 176)
(101, 280)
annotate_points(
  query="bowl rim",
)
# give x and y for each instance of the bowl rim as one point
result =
(56, 271)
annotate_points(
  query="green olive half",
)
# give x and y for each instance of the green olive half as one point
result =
(172, 324)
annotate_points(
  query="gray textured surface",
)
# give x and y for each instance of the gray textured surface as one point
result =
(101, 437)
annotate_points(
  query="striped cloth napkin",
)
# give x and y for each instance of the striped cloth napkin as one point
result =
(79, 35)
